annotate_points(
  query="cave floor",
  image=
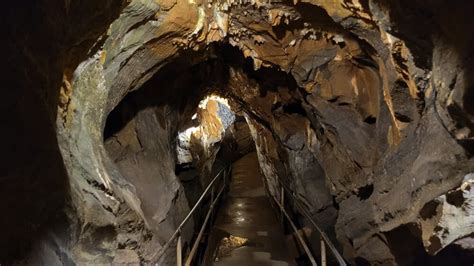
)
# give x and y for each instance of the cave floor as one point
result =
(248, 228)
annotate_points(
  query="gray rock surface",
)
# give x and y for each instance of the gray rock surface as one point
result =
(362, 108)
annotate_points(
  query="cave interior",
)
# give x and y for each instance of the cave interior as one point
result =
(354, 116)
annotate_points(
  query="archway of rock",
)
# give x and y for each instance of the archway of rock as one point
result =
(359, 108)
(146, 125)
(328, 111)
(163, 127)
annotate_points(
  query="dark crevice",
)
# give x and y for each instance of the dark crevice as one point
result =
(184, 167)
(276, 106)
(365, 192)
(370, 120)
(333, 100)
(334, 203)
(364, 61)
(402, 118)
(456, 198)
(429, 210)
(468, 100)
(359, 261)
(294, 108)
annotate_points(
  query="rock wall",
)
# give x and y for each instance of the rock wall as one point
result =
(361, 107)
(371, 122)
(46, 42)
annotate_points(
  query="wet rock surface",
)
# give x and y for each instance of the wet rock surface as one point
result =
(363, 108)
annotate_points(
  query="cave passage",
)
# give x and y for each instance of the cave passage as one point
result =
(348, 125)
(203, 112)
(161, 131)
(247, 230)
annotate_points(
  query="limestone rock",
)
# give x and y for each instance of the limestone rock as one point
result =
(362, 108)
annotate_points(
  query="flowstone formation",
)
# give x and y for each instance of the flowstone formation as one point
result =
(363, 108)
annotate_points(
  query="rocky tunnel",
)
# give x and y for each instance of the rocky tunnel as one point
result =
(363, 109)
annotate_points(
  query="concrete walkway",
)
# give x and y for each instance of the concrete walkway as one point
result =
(247, 230)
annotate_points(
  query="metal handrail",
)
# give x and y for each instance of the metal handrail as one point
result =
(324, 238)
(177, 232)
(201, 231)
(300, 238)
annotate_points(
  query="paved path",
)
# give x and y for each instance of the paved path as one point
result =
(247, 216)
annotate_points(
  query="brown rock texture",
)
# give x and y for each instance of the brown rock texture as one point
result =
(362, 107)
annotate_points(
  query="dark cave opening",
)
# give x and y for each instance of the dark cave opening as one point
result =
(164, 88)
(406, 245)
(166, 93)
(359, 261)
(365, 192)
(403, 118)
(183, 167)
(294, 108)
(370, 120)
(181, 83)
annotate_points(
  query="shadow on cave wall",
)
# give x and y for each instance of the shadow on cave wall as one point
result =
(44, 39)
(178, 85)
(405, 243)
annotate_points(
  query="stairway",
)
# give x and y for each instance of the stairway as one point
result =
(247, 230)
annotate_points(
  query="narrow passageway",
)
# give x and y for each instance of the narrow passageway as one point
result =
(247, 229)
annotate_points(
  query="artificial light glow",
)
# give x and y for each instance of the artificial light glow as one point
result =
(219, 99)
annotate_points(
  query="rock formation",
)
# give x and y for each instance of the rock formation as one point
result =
(362, 107)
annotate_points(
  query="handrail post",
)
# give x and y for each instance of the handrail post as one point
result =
(179, 250)
(194, 248)
(325, 238)
(323, 252)
(298, 234)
